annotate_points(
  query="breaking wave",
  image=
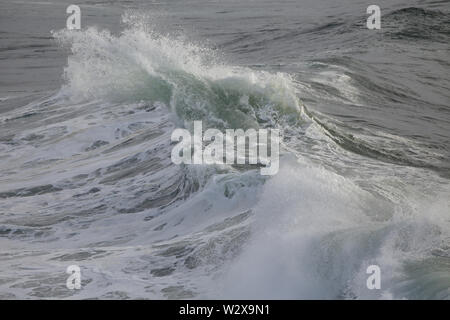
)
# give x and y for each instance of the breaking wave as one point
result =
(89, 181)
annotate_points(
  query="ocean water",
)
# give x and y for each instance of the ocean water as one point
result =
(85, 171)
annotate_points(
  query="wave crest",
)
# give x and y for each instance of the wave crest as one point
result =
(140, 64)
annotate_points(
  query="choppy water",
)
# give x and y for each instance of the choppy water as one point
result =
(86, 176)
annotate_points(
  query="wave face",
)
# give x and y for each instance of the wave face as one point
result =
(86, 176)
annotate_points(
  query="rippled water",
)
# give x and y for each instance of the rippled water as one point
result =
(86, 176)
